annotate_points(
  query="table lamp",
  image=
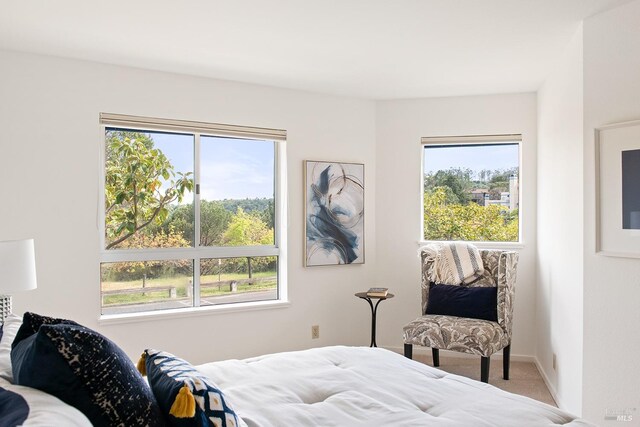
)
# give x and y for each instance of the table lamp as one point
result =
(17, 271)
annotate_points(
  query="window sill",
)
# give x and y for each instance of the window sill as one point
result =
(483, 245)
(113, 319)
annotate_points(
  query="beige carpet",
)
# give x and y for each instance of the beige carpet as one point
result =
(524, 376)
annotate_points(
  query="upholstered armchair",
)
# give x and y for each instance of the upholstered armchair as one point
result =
(469, 335)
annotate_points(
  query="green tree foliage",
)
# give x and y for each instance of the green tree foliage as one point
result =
(214, 220)
(457, 182)
(247, 205)
(140, 185)
(180, 219)
(268, 215)
(471, 222)
(143, 209)
(247, 229)
(149, 269)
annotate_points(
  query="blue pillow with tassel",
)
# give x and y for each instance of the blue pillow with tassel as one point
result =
(186, 397)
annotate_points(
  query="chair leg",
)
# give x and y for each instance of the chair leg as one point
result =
(506, 361)
(484, 370)
(436, 356)
(408, 351)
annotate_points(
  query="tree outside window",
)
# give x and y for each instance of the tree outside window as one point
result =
(471, 192)
(150, 223)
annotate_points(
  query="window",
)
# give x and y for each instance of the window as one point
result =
(190, 214)
(471, 188)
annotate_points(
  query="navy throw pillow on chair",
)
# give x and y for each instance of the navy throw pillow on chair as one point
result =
(463, 301)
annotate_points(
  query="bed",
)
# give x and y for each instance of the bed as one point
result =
(57, 372)
(353, 386)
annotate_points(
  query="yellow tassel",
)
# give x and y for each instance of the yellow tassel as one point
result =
(142, 364)
(185, 404)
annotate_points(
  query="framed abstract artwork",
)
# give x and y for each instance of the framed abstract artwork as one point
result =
(334, 213)
(617, 156)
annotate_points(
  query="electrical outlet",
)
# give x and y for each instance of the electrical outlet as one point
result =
(315, 332)
(553, 362)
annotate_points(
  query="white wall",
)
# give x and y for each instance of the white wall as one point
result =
(49, 138)
(400, 124)
(49, 171)
(611, 285)
(560, 228)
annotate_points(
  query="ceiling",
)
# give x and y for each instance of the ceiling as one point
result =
(374, 49)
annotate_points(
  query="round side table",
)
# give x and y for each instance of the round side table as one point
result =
(374, 310)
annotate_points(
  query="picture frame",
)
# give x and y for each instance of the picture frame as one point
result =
(617, 156)
(334, 213)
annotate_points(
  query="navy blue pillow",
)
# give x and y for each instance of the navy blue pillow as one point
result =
(31, 322)
(187, 397)
(14, 409)
(83, 369)
(463, 301)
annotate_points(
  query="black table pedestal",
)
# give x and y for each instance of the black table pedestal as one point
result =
(374, 312)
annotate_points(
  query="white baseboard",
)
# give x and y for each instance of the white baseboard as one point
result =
(448, 353)
(547, 382)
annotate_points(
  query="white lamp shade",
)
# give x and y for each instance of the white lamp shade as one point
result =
(17, 266)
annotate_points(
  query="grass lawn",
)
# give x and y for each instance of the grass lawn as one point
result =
(181, 282)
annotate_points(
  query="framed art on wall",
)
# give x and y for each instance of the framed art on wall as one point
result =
(334, 213)
(618, 189)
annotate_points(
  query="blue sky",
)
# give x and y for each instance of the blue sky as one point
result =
(474, 157)
(230, 168)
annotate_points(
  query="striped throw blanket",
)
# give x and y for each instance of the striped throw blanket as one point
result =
(453, 263)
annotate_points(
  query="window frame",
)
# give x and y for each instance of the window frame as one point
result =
(471, 140)
(197, 252)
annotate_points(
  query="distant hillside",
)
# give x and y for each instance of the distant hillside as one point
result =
(247, 205)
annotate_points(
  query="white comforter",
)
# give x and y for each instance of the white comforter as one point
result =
(357, 386)
(44, 409)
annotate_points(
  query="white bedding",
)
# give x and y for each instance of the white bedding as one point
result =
(44, 409)
(353, 386)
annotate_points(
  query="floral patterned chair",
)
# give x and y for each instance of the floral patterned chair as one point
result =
(467, 335)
